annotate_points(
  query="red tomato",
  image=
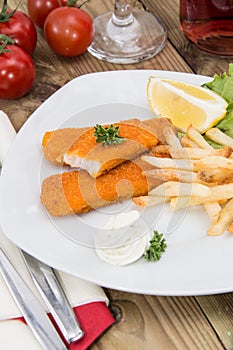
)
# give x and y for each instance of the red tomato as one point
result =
(17, 72)
(69, 31)
(21, 28)
(39, 9)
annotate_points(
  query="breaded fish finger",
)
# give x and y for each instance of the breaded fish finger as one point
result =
(77, 192)
(96, 159)
(55, 143)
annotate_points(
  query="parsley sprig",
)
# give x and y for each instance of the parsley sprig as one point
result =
(157, 247)
(108, 136)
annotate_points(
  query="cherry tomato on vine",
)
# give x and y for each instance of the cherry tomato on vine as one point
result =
(18, 26)
(69, 31)
(17, 70)
(38, 10)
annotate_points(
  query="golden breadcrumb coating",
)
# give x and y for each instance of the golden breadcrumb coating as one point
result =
(81, 143)
(77, 192)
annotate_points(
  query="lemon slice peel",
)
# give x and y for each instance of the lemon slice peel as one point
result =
(185, 103)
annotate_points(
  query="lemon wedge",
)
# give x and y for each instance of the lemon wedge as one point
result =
(185, 104)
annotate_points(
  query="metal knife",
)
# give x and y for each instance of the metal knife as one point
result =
(51, 291)
(33, 312)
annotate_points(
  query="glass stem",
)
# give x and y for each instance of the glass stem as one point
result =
(122, 15)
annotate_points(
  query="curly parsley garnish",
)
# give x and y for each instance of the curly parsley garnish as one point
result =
(108, 136)
(157, 247)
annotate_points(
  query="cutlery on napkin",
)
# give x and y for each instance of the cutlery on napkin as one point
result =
(51, 291)
(89, 302)
(33, 312)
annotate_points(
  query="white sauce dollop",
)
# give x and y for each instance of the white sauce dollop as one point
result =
(123, 240)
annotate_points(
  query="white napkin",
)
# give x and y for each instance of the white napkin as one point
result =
(78, 291)
(22, 338)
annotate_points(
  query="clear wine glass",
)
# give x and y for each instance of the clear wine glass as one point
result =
(127, 35)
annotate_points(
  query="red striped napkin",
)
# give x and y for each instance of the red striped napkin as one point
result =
(94, 319)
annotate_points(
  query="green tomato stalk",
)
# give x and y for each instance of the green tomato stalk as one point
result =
(5, 40)
(72, 3)
(4, 16)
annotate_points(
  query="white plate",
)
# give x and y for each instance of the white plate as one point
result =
(194, 263)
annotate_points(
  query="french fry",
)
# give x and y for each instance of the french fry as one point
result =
(174, 188)
(187, 142)
(218, 193)
(167, 134)
(213, 162)
(160, 151)
(216, 175)
(149, 201)
(173, 175)
(177, 203)
(224, 152)
(190, 153)
(198, 153)
(173, 141)
(230, 227)
(190, 165)
(222, 201)
(218, 136)
(182, 164)
(225, 218)
(195, 136)
(196, 174)
(213, 210)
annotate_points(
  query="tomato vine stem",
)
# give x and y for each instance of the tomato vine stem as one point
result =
(72, 3)
(4, 16)
(5, 40)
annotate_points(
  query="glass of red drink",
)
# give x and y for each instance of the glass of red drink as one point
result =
(208, 24)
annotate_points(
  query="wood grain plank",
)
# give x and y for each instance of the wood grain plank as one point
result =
(163, 323)
(219, 311)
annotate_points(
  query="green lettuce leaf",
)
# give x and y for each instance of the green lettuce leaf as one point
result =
(226, 124)
(223, 86)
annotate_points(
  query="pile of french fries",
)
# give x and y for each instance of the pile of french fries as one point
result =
(194, 173)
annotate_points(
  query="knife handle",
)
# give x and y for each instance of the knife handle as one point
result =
(62, 312)
(52, 292)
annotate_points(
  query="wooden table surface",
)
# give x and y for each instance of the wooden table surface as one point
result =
(142, 322)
